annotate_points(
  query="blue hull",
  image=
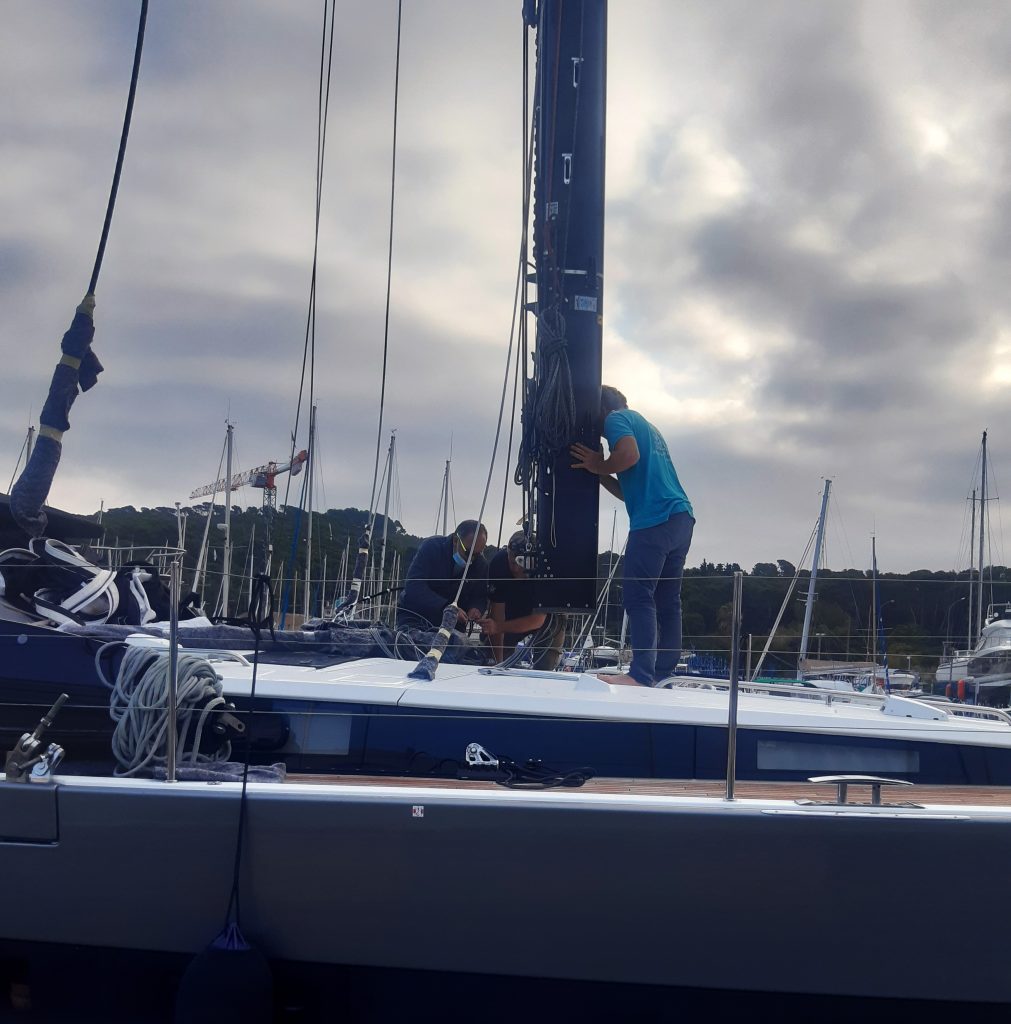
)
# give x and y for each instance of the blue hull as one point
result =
(367, 739)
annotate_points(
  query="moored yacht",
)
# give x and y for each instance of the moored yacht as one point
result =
(990, 659)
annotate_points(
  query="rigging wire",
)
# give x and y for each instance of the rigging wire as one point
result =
(991, 488)
(17, 465)
(389, 266)
(128, 117)
(322, 112)
(452, 500)
(786, 601)
(317, 478)
(203, 552)
(963, 535)
(79, 367)
(348, 605)
(438, 511)
(428, 665)
(526, 135)
(837, 512)
(398, 507)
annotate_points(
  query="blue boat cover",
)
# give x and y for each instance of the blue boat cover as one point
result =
(79, 367)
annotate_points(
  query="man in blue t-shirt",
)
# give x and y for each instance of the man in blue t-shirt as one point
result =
(660, 533)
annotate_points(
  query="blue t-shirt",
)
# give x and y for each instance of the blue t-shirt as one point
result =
(651, 487)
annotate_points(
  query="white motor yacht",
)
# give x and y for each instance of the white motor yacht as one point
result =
(994, 640)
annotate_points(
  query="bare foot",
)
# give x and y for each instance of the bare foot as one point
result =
(623, 680)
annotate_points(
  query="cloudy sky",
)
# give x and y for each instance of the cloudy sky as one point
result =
(808, 246)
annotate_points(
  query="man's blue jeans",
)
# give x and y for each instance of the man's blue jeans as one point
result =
(654, 564)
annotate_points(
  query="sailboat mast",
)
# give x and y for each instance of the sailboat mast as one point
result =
(972, 568)
(813, 581)
(445, 500)
(202, 555)
(252, 560)
(562, 400)
(982, 534)
(308, 501)
(390, 455)
(394, 585)
(227, 561)
(873, 650)
(610, 566)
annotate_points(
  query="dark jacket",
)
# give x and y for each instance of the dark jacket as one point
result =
(518, 594)
(432, 580)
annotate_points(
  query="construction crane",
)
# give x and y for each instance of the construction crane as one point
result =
(264, 477)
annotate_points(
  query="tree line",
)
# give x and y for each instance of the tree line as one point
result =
(918, 612)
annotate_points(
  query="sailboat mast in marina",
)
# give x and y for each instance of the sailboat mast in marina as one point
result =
(562, 400)
(982, 536)
(813, 581)
(524, 771)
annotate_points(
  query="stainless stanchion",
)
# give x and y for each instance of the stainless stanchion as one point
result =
(735, 658)
(172, 728)
(747, 667)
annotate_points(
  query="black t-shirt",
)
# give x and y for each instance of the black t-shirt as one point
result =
(518, 595)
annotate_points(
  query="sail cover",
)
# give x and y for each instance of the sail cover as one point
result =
(78, 368)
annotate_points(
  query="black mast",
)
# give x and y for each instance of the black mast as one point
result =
(562, 400)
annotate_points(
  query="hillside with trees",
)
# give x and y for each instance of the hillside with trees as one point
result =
(919, 611)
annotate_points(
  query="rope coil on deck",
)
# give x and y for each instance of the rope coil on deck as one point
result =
(139, 707)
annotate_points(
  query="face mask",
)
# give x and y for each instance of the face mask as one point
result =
(459, 560)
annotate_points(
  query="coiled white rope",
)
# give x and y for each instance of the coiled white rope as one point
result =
(139, 707)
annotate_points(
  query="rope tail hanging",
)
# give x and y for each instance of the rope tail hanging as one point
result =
(79, 366)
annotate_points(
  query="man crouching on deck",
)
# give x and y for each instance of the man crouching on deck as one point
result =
(434, 578)
(659, 534)
(513, 597)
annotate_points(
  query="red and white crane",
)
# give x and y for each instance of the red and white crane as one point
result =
(264, 477)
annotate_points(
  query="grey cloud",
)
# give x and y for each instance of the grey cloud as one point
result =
(883, 331)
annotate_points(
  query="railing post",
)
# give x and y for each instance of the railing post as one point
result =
(735, 658)
(172, 731)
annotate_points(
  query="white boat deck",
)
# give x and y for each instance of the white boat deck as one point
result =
(461, 688)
